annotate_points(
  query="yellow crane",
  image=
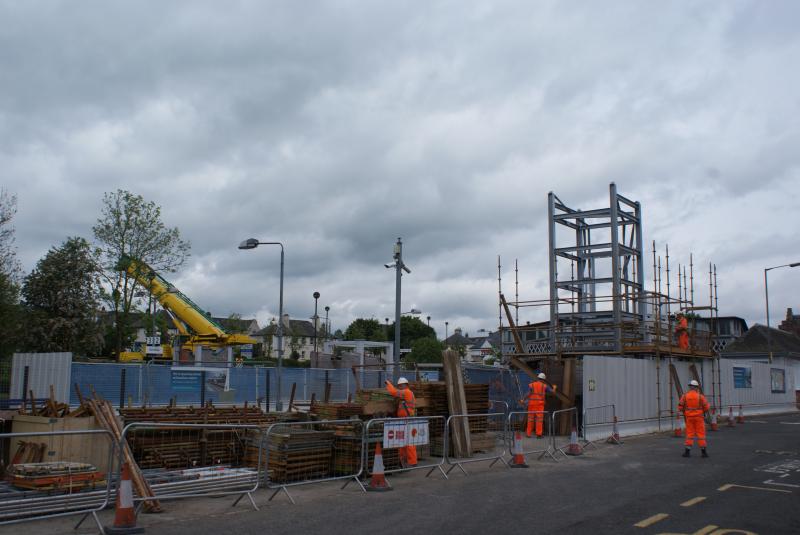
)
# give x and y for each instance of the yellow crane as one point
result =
(190, 320)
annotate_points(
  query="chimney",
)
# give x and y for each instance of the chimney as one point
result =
(286, 324)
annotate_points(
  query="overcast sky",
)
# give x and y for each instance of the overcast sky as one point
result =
(336, 127)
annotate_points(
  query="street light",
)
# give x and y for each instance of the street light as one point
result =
(316, 319)
(429, 321)
(446, 323)
(413, 311)
(252, 243)
(766, 299)
(327, 324)
(398, 267)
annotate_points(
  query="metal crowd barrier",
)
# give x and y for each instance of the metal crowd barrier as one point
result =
(193, 456)
(555, 417)
(330, 450)
(432, 448)
(518, 421)
(600, 415)
(71, 494)
(497, 405)
(487, 436)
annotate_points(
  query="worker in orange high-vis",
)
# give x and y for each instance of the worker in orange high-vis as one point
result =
(406, 408)
(536, 397)
(682, 331)
(693, 405)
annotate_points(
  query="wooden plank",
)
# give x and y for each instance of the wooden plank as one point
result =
(457, 403)
(676, 380)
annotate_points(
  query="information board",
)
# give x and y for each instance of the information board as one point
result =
(186, 380)
(401, 433)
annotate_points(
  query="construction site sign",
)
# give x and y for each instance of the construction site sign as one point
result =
(400, 433)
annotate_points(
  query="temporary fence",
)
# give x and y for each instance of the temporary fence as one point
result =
(195, 460)
(571, 415)
(301, 453)
(53, 474)
(427, 434)
(485, 435)
(601, 417)
(518, 423)
(497, 405)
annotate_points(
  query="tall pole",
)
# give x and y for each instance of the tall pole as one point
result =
(766, 299)
(398, 256)
(278, 401)
(316, 320)
(327, 326)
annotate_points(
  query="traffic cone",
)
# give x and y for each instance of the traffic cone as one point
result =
(574, 448)
(125, 515)
(740, 418)
(614, 438)
(730, 417)
(714, 425)
(518, 461)
(378, 482)
(677, 432)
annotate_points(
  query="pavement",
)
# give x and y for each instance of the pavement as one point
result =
(750, 484)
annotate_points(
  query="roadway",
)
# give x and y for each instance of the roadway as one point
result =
(750, 484)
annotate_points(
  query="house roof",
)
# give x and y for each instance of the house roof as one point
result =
(474, 341)
(760, 340)
(236, 325)
(295, 328)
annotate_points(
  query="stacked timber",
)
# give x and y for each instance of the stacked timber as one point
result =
(299, 454)
(58, 477)
(336, 411)
(198, 415)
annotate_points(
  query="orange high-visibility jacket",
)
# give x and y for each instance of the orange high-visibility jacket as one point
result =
(408, 403)
(683, 325)
(537, 393)
(693, 403)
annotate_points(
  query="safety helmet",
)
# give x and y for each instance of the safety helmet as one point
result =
(402, 381)
(542, 376)
(693, 383)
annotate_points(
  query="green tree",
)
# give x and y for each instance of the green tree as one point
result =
(366, 329)
(62, 298)
(9, 277)
(425, 350)
(130, 226)
(411, 329)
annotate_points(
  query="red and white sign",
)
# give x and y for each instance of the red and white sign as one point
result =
(400, 433)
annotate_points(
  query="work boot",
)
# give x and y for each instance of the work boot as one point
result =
(704, 453)
(687, 453)
(538, 436)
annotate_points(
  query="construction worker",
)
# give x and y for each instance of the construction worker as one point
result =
(406, 408)
(682, 331)
(693, 405)
(538, 390)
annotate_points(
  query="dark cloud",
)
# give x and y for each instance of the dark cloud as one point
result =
(338, 127)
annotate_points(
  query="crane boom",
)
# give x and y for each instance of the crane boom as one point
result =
(197, 322)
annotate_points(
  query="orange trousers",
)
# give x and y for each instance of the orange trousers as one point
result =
(408, 455)
(535, 419)
(695, 428)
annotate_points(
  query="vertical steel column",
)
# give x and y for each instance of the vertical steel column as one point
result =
(122, 388)
(551, 234)
(615, 265)
(203, 388)
(641, 307)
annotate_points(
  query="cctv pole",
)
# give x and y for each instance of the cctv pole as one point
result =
(398, 266)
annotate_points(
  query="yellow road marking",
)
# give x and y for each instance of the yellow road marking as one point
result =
(652, 520)
(693, 501)
(731, 485)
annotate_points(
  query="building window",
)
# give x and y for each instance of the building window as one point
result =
(777, 380)
(742, 377)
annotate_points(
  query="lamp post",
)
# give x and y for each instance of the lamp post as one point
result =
(252, 243)
(327, 324)
(399, 267)
(766, 299)
(316, 320)
(429, 321)
(446, 323)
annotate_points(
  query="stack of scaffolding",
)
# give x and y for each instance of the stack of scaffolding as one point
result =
(299, 454)
(336, 411)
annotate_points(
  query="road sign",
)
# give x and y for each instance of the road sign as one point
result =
(154, 345)
(401, 433)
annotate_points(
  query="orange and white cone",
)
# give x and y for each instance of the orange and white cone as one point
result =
(574, 448)
(378, 481)
(677, 432)
(731, 423)
(518, 461)
(740, 418)
(125, 514)
(614, 438)
(714, 424)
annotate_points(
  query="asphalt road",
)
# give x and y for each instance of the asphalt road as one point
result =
(751, 484)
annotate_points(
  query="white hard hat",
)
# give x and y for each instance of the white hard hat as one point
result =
(402, 381)
(542, 376)
(693, 383)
